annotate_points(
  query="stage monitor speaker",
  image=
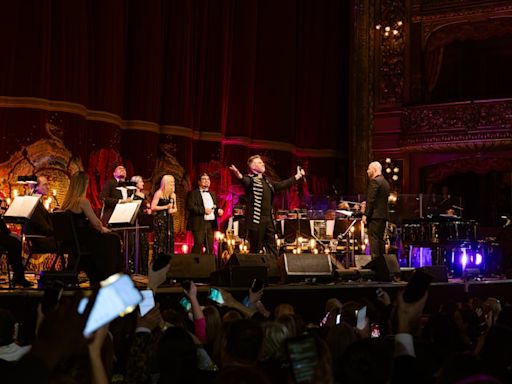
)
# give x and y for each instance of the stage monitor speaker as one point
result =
(307, 266)
(191, 267)
(439, 273)
(386, 268)
(68, 278)
(256, 260)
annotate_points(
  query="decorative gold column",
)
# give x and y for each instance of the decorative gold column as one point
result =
(361, 92)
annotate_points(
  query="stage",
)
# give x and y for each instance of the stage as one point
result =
(307, 298)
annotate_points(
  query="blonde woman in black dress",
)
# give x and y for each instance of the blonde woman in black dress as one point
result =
(164, 205)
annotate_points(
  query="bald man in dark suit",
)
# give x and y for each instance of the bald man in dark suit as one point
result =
(376, 214)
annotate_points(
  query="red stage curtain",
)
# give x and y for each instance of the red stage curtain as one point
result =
(137, 71)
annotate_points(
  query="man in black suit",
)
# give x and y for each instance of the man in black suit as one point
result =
(40, 224)
(376, 214)
(112, 193)
(202, 214)
(260, 195)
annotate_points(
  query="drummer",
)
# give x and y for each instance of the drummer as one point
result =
(359, 209)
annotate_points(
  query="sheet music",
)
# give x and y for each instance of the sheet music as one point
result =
(329, 227)
(125, 213)
(22, 206)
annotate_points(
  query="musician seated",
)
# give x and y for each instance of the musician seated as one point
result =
(344, 205)
(359, 209)
(40, 224)
(104, 245)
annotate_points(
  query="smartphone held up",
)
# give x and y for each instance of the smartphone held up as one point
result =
(215, 295)
(116, 297)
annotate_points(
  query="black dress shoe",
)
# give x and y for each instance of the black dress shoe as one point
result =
(24, 283)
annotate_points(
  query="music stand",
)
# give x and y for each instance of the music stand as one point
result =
(21, 209)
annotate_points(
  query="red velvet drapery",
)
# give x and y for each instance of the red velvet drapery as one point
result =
(248, 76)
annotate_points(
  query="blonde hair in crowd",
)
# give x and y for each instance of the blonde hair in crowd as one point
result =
(76, 191)
(167, 186)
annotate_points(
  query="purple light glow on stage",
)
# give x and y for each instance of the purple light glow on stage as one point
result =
(420, 257)
(467, 256)
(464, 258)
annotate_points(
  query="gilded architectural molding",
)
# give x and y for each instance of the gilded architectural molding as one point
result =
(462, 127)
(362, 92)
(391, 46)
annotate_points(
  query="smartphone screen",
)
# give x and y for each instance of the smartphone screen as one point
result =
(361, 318)
(375, 330)
(417, 286)
(216, 296)
(185, 303)
(257, 285)
(116, 297)
(303, 356)
(148, 301)
(338, 318)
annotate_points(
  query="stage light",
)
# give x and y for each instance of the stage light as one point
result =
(184, 248)
(478, 258)
(396, 170)
(464, 259)
(399, 23)
(315, 251)
(395, 32)
(388, 160)
(388, 170)
(387, 29)
(395, 177)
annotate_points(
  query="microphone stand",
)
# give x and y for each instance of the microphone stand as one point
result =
(351, 253)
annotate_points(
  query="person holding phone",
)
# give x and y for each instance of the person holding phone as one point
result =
(197, 312)
(104, 245)
(164, 206)
(260, 194)
(202, 214)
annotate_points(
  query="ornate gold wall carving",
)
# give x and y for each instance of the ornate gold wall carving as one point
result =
(467, 126)
(391, 52)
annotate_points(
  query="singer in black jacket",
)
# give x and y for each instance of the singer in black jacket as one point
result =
(377, 213)
(202, 214)
(260, 194)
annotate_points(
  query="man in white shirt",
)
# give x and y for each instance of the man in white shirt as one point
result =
(202, 215)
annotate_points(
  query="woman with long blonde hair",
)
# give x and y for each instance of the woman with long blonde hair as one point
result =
(105, 246)
(164, 205)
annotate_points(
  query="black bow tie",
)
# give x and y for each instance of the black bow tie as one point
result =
(204, 190)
